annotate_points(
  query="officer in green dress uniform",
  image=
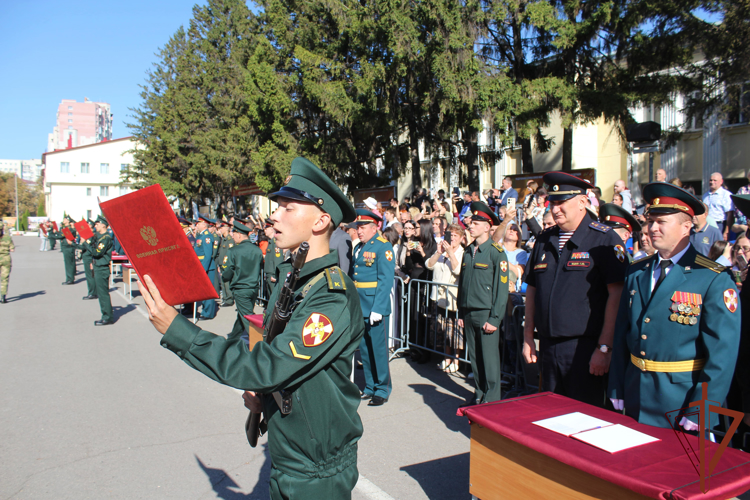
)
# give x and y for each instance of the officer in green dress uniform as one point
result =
(274, 257)
(204, 247)
(53, 236)
(314, 448)
(240, 269)
(372, 270)
(6, 247)
(88, 266)
(214, 229)
(678, 324)
(69, 253)
(227, 242)
(620, 220)
(101, 251)
(482, 297)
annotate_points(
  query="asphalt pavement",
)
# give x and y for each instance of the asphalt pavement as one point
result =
(105, 412)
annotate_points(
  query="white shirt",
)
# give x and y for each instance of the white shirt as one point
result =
(657, 267)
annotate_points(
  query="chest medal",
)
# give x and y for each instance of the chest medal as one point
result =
(686, 307)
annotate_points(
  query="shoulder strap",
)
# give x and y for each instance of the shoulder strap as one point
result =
(311, 284)
(335, 279)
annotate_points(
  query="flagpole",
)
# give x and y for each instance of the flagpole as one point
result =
(16, 202)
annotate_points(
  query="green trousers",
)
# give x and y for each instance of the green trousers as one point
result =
(101, 277)
(89, 272)
(69, 257)
(52, 243)
(338, 487)
(5, 265)
(484, 354)
(227, 295)
(244, 300)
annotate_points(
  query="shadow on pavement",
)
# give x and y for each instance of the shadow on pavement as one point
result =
(443, 478)
(221, 482)
(25, 296)
(444, 407)
(118, 311)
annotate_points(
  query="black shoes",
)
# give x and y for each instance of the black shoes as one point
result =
(2, 299)
(377, 401)
(90, 297)
(364, 396)
(67, 282)
(226, 304)
(103, 323)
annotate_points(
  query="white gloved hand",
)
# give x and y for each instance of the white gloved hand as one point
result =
(688, 425)
(619, 404)
(375, 317)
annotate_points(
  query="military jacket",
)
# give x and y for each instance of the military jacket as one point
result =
(571, 287)
(483, 282)
(226, 243)
(6, 245)
(215, 252)
(312, 358)
(204, 248)
(69, 246)
(372, 270)
(274, 257)
(86, 255)
(101, 250)
(652, 327)
(241, 267)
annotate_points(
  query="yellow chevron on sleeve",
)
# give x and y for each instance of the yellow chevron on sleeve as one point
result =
(294, 352)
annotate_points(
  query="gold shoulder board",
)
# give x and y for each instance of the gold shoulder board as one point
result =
(708, 263)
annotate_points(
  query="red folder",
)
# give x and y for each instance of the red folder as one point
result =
(84, 229)
(68, 235)
(151, 236)
(54, 225)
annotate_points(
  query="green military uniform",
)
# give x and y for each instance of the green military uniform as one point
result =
(617, 217)
(314, 448)
(69, 256)
(88, 262)
(101, 251)
(274, 257)
(215, 258)
(6, 246)
(482, 297)
(226, 292)
(672, 336)
(240, 269)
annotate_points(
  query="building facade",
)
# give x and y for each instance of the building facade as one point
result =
(74, 178)
(28, 170)
(80, 124)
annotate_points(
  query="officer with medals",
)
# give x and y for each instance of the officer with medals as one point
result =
(678, 324)
(482, 297)
(274, 257)
(204, 248)
(227, 242)
(623, 223)
(69, 252)
(240, 269)
(101, 251)
(88, 266)
(313, 448)
(372, 269)
(574, 276)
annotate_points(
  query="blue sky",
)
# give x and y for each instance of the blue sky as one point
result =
(71, 50)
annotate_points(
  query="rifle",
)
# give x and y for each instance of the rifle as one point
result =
(282, 311)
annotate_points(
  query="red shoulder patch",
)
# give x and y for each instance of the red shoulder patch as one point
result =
(318, 328)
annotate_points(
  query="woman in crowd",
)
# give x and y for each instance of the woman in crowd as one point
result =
(721, 253)
(517, 257)
(740, 258)
(391, 235)
(446, 267)
(419, 248)
(407, 236)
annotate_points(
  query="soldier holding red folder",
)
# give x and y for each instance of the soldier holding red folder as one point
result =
(313, 448)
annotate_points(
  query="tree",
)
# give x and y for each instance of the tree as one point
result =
(28, 196)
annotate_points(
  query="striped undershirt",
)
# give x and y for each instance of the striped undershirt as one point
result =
(564, 237)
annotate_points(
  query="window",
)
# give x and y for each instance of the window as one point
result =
(123, 190)
(693, 119)
(88, 212)
(88, 191)
(103, 190)
(70, 127)
(738, 103)
(70, 120)
(104, 168)
(84, 168)
(70, 114)
(124, 167)
(70, 108)
(64, 167)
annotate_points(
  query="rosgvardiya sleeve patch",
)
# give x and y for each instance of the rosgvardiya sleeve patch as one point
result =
(318, 328)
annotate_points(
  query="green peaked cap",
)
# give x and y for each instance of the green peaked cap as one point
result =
(307, 183)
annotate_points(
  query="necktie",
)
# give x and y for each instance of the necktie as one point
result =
(663, 265)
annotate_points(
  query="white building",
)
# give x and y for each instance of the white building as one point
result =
(75, 177)
(28, 170)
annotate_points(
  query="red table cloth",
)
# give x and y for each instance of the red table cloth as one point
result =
(658, 470)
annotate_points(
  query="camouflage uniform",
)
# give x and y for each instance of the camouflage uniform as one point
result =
(6, 246)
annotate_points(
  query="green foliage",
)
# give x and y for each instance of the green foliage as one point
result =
(23, 224)
(29, 196)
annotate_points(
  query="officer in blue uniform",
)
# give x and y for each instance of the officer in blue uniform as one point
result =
(373, 269)
(574, 275)
(679, 321)
(204, 248)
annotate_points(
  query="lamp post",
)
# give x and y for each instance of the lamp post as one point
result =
(16, 176)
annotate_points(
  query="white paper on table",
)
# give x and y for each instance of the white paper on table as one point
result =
(571, 423)
(615, 438)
